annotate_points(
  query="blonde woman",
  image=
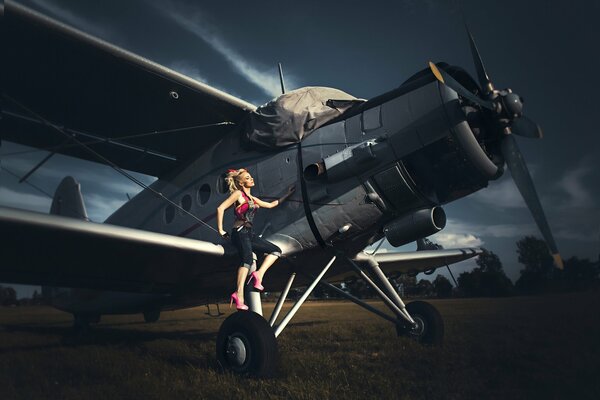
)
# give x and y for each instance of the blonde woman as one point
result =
(240, 183)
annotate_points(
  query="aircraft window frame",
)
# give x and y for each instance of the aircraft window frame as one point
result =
(203, 194)
(186, 200)
(221, 184)
(169, 214)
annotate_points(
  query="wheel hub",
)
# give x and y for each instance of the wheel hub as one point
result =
(419, 328)
(236, 352)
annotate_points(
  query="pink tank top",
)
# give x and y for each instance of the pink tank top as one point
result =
(245, 212)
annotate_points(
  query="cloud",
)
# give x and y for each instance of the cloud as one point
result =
(573, 186)
(195, 22)
(454, 240)
(493, 231)
(501, 194)
(188, 69)
(100, 207)
(22, 200)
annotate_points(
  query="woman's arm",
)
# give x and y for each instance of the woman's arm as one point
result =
(224, 206)
(275, 203)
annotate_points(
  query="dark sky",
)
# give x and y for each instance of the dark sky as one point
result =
(544, 50)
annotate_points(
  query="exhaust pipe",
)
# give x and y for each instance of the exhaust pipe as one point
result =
(415, 226)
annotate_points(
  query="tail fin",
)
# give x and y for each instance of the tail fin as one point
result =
(68, 201)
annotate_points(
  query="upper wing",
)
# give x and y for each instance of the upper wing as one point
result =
(421, 261)
(58, 251)
(136, 113)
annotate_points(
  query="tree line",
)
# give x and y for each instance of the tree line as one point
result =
(488, 279)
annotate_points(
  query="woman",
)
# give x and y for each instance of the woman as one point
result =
(240, 183)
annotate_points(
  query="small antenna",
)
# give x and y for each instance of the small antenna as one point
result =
(281, 78)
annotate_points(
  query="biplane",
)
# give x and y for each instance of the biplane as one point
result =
(364, 171)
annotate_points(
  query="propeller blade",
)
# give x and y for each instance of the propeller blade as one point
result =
(520, 173)
(523, 126)
(449, 81)
(484, 79)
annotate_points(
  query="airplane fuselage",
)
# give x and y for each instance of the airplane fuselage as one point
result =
(405, 151)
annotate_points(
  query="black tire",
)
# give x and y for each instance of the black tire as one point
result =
(246, 345)
(430, 325)
(151, 316)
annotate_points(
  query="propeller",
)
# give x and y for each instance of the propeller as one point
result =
(520, 174)
(507, 113)
(449, 81)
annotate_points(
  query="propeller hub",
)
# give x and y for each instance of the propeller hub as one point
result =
(513, 103)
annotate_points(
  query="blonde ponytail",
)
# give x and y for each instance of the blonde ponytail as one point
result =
(232, 179)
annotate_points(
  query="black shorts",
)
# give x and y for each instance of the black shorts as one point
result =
(246, 242)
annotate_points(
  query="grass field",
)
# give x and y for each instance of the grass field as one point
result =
(513, 348)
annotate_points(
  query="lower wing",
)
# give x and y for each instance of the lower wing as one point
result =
(41, 249)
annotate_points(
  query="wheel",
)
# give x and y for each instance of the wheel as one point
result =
(430, 325)
(246, 345)
(152, 315)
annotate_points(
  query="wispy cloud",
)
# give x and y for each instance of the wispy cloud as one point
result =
(573, 186)
(501, 194)
(575, 213)
(195, 22)
(456, 240)
(491, 231)
(19, 199)
(188, 69)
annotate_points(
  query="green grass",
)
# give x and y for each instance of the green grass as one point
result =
(514, 348)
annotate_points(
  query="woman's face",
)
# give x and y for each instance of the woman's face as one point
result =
(246, 180)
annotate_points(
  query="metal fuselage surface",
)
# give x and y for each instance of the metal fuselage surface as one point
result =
(392, 156)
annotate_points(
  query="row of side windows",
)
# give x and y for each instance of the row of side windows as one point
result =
(202, 197)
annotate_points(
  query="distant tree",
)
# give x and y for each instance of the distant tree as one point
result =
(539, 265)
(579, 274)
(489, 262)
(577, 269)
(359, 288)
(408, 284)
(469, 283)
(488, 279)
(425, 288)
(8, 296)
(442, 286)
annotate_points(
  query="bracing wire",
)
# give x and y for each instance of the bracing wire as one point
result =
(67, 145)
(2, 167)
(378, 246)
(110, 163)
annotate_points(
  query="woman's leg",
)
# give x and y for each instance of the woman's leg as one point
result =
(241, 281)
(266, 264)
(260, 245)
(242, 240)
